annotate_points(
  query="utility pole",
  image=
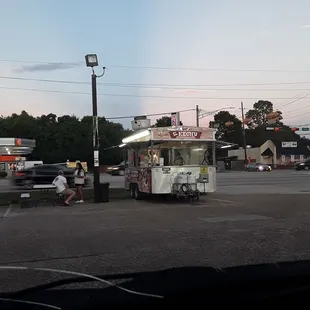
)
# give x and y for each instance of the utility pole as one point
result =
(95, 139)
(92, 61)
(244, 137)
(197, 116)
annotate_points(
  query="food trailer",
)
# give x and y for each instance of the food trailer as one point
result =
(171, 160)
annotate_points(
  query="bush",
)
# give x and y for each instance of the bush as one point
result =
(3, 174)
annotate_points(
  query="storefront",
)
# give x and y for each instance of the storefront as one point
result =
(13, 151)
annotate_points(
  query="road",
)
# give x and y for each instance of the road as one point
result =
(239, 182)
(236, 182)
(122, 236)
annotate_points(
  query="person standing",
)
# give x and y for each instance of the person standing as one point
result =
(61, 184)
(79, 180)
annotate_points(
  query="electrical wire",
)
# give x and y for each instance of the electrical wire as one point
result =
(294, 116)
(281, 103)
(166, 86)
(149, 86)
(295, 100)
(307, 106)
(153, 114)
(135, 96)
(160, 67)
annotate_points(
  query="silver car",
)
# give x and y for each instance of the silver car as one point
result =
(258, 167)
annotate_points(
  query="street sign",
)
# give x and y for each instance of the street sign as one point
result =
(288, 144)
(305, 129)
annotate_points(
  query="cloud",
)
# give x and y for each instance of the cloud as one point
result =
(305, 26)
(47, 67)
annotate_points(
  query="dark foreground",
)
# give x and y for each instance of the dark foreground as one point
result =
(123, 236)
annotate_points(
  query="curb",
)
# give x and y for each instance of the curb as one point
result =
(14, 197)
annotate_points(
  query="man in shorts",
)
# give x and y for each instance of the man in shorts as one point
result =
(62, 187)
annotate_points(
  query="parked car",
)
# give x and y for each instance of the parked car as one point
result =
(302, 165)
(43, 174)
(258, 167)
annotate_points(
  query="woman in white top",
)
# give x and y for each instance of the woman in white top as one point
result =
(79, 180)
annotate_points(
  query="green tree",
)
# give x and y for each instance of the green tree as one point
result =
(230, 127)
(164, 121)
(65, 137)
(259, 135)
(259, 113)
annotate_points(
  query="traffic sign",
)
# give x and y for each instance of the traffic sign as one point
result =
(305, 129)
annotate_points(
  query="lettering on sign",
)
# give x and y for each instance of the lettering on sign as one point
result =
(185, 134)
(289, 144)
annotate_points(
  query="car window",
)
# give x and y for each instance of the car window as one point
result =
(46, 170)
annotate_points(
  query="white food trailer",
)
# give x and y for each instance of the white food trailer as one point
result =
(171, 160)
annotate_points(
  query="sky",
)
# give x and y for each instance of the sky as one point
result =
(160, 56)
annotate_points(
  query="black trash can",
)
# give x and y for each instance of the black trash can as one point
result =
(228, 164)
(104, 192)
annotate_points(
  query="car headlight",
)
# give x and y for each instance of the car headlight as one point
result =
(302, 164)
(260, 167)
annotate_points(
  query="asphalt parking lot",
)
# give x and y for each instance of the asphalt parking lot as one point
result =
(122, 236)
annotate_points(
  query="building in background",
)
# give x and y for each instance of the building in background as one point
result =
(279, 156)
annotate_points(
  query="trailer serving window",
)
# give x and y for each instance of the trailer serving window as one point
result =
(179, 153)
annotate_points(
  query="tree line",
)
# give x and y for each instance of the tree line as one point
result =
(230, 127)
(65, 137)
(69, 137)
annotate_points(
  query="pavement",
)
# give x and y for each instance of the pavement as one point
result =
(123, 236)
(252, 218)
(274, 182)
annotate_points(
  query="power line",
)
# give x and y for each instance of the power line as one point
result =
(307, 106)
(281, 103)
(295, 100)
(297, 115)
(209, 69)
(176, 87)
(161, 67)
(137, 96)
(154, 114)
